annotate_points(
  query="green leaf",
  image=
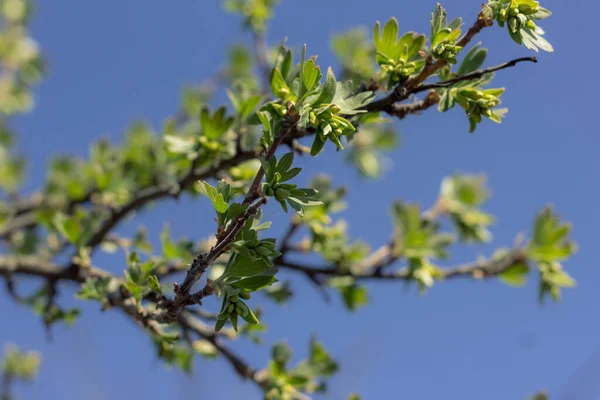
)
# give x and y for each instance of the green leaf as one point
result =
(215, 197)
(318, 144)
(355, 296)
(311, 74)
(154, 284)
(516, 275)
(438, 20)
(251, 317)
(473, 60)
(281, 355)
(169, 248)
(285, 162)
(279, 292)
(292, 173)
(350, 104)
(541, 13)
(534, 40)
(244, 266)
(446, 101)
(94, 289)
(254, 283)
(180, 144)
(278, 85)
(68, 226)
(216, 125)
(550, 240)
(328, 90)
(386, 43)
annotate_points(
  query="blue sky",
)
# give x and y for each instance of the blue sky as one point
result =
(112, 63)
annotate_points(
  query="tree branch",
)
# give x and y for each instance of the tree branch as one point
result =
(202, 261)
(477, 270)
(474, 75)
(243, 369)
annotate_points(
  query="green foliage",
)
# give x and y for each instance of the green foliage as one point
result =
(353, 295)
(398, 58)
(174, 354)
(540, 396)
(256, 13)
(42, 305)
(94, 289)
(471, 95)
(20, 59)
(418, 240)
(549, 246)
(12, 167)
(333, 244)
(331, 202)
(83, 200)
(19, 364)
(233, 305)
(417, 237)
(444, 35)
(286, 382)
(322, 106)
(278, 172)
(519, 17)
(462, 197)
(279, 292)
(355, 52)
(367, 149)
(138, 276)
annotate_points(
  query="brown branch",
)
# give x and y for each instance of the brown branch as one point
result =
(477, 270)
(242, 368)
(474, 75)
(401, 111)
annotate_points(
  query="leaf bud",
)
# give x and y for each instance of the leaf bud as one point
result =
(513, 24)
(234, 299)
(326, 114)
(527, 9)
(502, 15)
(244, 295)
(223, 315)
(281, 193)
(241, 309)
(263, 251)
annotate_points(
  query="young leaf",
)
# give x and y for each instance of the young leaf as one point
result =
(311, 74)
(215, 126)
(215, 197)
(473, 60)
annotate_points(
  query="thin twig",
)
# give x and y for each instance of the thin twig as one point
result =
(478, 270)
(474, 75)
(242, 368)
